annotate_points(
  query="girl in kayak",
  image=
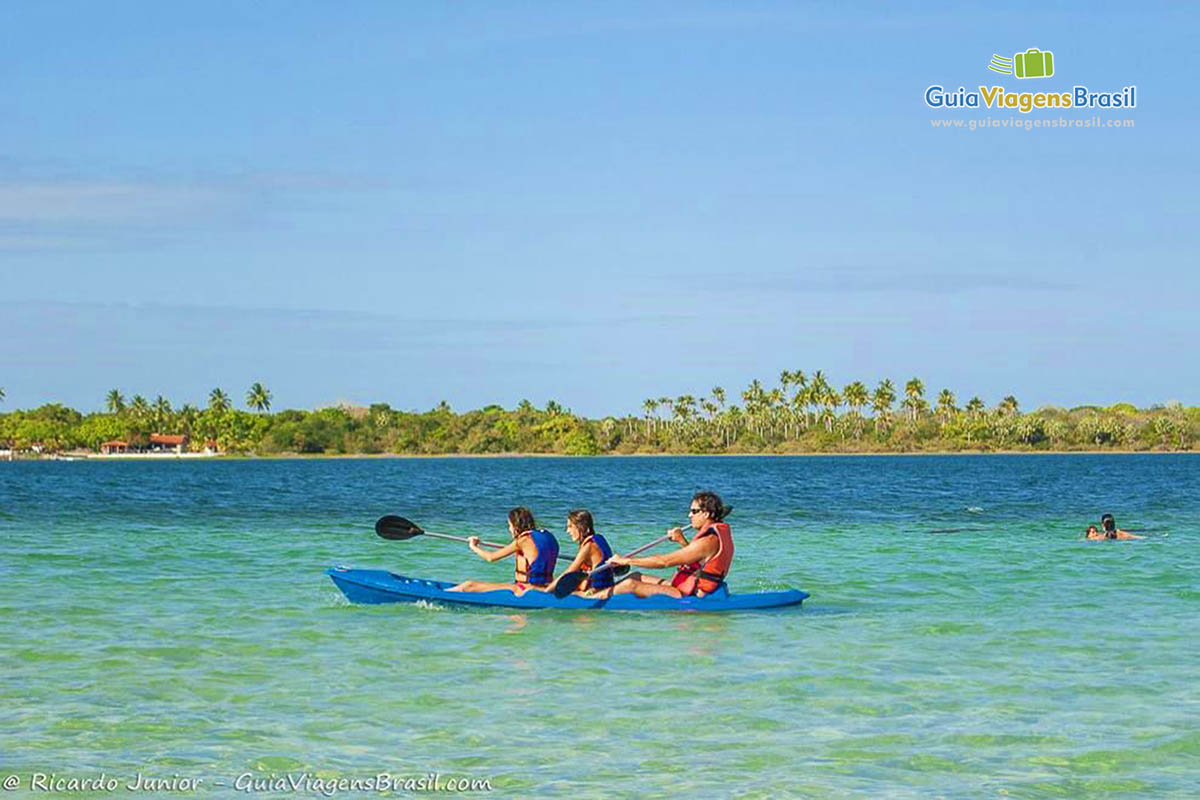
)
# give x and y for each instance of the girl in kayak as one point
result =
(535, 551)
(593, 551)
(702, 563)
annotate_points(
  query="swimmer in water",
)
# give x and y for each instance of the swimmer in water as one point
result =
(1111, 531)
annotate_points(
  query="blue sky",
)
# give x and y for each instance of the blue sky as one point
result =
(592, 203)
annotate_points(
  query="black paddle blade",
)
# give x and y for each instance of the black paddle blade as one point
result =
(623, 569)
(397, 528)
(568, 582)
(726, 510)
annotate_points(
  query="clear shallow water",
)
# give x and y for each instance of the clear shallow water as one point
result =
(961, 639)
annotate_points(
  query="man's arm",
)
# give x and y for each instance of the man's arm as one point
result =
(699, 549)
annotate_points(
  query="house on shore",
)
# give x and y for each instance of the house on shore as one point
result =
(158, 443)
(167, 443)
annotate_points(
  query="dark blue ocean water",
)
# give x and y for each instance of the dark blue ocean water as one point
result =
(172, 618)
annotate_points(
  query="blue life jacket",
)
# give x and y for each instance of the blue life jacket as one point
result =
(605, 579)
(540, 571)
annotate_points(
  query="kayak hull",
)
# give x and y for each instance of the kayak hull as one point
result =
(381, 586)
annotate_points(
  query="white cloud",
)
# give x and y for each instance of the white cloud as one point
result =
(39, 214)
(106, 202)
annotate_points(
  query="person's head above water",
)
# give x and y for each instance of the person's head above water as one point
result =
(1091, 531)
(1108, 523)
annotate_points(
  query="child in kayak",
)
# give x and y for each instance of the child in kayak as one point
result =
(702, 563)
(593, 551)
(535, 551)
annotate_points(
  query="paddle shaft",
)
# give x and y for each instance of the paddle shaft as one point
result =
(463, 539)
(495, 546)
(631, 553)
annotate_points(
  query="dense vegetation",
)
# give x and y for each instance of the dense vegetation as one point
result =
(801, 414)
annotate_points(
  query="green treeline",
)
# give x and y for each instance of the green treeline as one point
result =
(801, 414)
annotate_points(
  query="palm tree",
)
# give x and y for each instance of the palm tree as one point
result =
(817, 389)
(219, 401)
(829, 403)
(140, 408)
(881, 402)
(1008, 406)
(259, 398)
(753, 398)
(735, 424)
(974, 407)
(669, 405)
(799, 380)
(777, 399)
(914, 397)
(945, 405)
(774, 407)
(718, 394)
(187, 417)
(856, 397)
(162, 413)
(800, 409)
(115, 401)
(685, 409)
(795, 403)
(650, 406)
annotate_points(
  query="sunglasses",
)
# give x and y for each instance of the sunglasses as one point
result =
(694, 511)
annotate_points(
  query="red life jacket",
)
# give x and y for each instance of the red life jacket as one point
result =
(704, 577)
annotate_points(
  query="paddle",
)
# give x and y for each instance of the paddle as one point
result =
(398, 529)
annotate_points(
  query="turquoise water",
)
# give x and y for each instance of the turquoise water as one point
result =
(172, 619)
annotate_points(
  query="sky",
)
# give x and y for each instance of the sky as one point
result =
(484, 202)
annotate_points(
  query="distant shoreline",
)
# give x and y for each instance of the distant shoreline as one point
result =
(420, 456)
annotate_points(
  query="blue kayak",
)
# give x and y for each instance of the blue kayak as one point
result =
(381, 586)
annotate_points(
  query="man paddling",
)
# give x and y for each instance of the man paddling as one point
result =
(702, 563)
(534, 549)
